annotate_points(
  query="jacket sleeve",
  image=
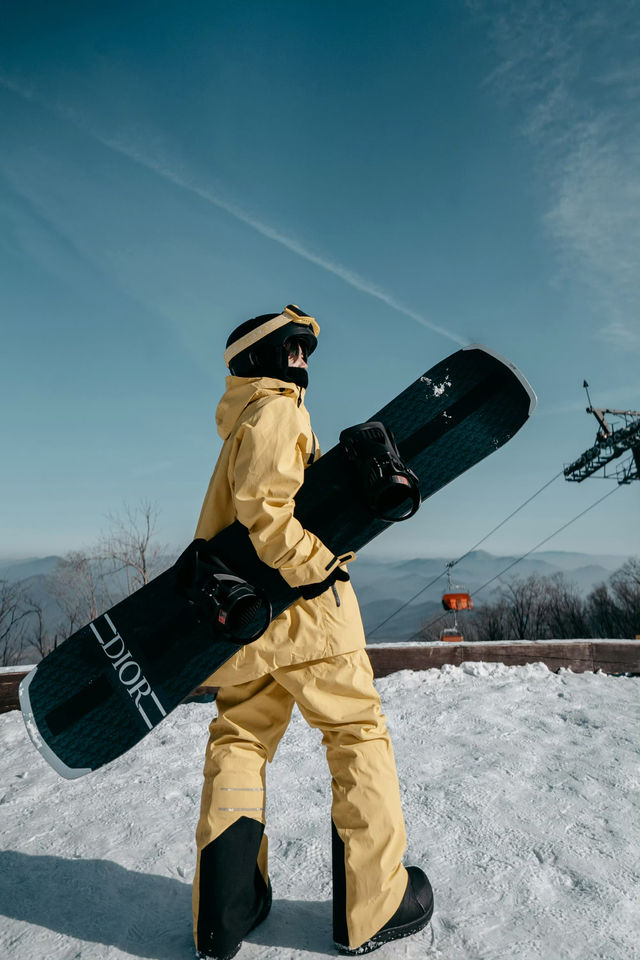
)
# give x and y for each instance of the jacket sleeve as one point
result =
(266, 474)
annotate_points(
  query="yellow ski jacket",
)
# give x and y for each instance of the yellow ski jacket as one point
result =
(268, 443)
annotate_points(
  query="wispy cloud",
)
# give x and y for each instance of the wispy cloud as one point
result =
(572, 71)
(178, 174)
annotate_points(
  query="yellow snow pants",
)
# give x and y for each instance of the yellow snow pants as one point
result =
(337, 696)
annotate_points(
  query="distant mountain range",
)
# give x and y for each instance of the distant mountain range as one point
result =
(15, 570)
(383, 586)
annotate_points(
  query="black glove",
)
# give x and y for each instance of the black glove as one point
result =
(312, 590)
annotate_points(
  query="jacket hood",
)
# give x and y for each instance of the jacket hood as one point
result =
(240, 391)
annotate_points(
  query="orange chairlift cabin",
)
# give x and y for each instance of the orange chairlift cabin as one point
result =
(458, 599)
(455, 598)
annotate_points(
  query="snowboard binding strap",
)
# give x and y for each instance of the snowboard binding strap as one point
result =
(390, 488)
(240, 612)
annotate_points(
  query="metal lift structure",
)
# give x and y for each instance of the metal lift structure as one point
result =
(613, 440)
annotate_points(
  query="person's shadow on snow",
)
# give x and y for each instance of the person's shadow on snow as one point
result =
(140, 913)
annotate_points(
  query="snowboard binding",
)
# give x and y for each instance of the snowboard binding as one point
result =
(240, 613)
(389, 487)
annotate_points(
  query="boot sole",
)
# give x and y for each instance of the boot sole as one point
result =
(227, 956)
(386, 936)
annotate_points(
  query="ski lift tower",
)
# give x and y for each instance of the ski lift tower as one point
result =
(613, 440)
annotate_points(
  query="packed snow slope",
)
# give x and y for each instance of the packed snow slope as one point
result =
(520, 796)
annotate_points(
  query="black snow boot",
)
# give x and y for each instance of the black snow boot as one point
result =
(262, 915)
(412, 915)
(233, 896)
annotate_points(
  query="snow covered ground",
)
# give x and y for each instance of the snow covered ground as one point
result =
(520, 793)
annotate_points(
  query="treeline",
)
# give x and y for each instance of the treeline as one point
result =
(88, 582)
(551, 608)
(85, 583)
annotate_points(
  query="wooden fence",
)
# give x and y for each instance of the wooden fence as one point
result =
(610, 656)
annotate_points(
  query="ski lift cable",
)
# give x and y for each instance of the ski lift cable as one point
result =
(502, 522)
(525, 555)
(406, 603)
(453, 562)
(546, 539)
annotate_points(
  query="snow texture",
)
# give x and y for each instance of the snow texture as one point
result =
(520, 796)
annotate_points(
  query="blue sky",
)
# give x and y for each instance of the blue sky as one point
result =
(417, 176)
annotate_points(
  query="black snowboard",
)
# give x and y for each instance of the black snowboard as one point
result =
(105, 687)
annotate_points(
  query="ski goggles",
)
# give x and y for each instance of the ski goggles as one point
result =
(290, 314)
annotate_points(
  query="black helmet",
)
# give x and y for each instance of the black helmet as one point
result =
(260, 347)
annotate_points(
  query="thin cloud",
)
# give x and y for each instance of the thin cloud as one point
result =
(572, 71)
(184, 180)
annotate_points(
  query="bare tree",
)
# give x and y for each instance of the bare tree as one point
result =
(13, 612)
(524, 600)
(602, 612)
(614, 608)
(41, 639)
(488, 623)
(81, 588)
(565, 611)
(625, 588)
(129, 546)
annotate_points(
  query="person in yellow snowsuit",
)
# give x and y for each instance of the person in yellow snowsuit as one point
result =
(312, 655)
